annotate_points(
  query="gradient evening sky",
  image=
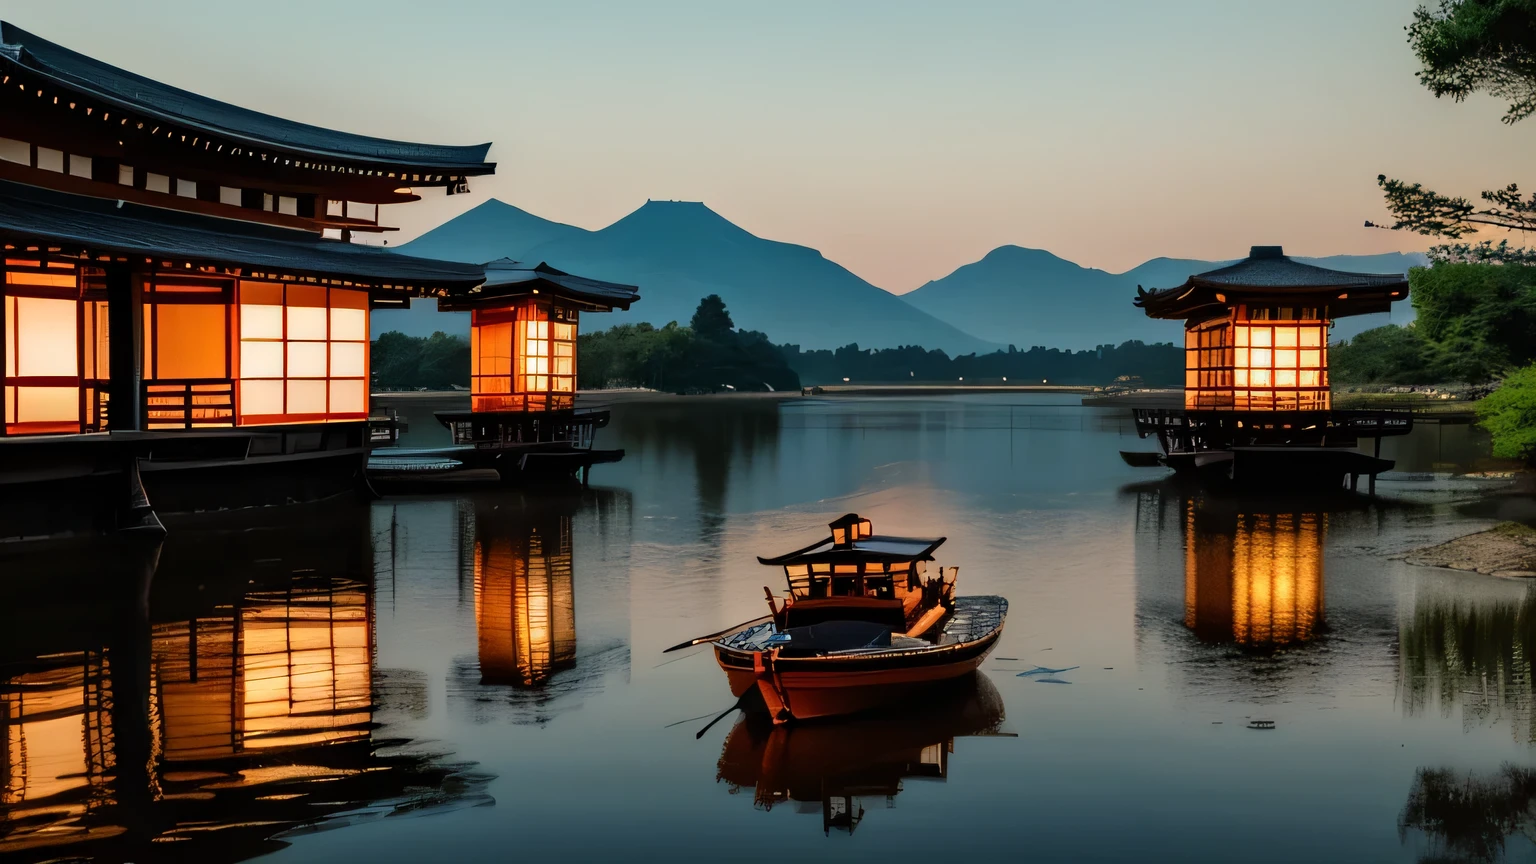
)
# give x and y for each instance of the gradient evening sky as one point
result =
(902, 139)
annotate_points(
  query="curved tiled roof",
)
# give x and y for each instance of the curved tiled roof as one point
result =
(507, 278)
(135, 93)
(1268, 267)
(1268, 276)
(30, 214)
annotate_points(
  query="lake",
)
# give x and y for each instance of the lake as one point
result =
(481, 676)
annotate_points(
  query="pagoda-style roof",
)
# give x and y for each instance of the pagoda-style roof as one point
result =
(76, 224)
(1268, 277)
(506, 279)
(47, 65)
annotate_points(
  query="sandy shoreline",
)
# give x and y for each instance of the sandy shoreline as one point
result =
(1506, 549)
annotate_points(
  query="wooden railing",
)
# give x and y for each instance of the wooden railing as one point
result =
(189, 403)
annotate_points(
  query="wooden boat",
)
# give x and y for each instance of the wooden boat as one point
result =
(863, 625)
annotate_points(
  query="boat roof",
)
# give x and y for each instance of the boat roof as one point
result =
(126, 90)
(876, 547)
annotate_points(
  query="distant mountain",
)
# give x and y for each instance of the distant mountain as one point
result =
(492, 230)
(678, 252)
(1028, 297)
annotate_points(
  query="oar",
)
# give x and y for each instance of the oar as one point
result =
(739, 701)
(692, 642)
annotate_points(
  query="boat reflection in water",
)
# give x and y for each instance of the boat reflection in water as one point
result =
(1460, 651)
(836, 764)
(517, 553)
(241, 709)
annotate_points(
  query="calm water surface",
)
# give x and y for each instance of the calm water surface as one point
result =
(480, 676)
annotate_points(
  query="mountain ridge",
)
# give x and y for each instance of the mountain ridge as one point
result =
(680, 251)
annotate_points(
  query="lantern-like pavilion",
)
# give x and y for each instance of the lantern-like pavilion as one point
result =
(1257, 399)
(523, 421)
(180, 294)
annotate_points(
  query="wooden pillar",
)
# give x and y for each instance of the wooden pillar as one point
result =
(125, 335)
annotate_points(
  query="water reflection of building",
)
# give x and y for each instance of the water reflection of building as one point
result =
(1255, 579)
(1252, 575)
(525, 603)
(240, 709)
(840, 765)
(288, 667)
(58, 751)
(519, 554)
(1459, 652)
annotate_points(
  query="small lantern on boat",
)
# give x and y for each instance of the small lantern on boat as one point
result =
(847, 529)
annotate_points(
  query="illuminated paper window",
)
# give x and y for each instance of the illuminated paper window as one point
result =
(303, 353)
(55, 348)
(1269, 364)
(523, 358)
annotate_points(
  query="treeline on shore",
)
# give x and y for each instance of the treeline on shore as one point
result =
(710, 355)
(1156, 365)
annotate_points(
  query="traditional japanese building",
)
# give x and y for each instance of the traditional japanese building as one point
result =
(180, 294)
(1257, 399)
(523, 422)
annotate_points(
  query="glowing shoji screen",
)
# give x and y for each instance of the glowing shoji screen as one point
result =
(1281, 365)
(303, 353)
(55, 349)
(1208, 366)
(1257, 365)
(523, 359)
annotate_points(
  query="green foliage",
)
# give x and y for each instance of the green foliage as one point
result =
(402, 362)
(1486, 252)
(1385, 355)
(1481, 318)
(1466, 46)
(711, 320)
(708, 356)
(1509, 415)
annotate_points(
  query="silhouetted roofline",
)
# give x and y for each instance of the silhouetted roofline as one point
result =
(32, 215)
(55, 64)
(505, 279)
(1268, 276)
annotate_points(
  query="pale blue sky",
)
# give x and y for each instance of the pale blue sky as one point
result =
(901, 139)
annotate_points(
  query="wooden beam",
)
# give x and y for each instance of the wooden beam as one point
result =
(125, 341)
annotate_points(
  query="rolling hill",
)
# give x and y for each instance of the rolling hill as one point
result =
(1027, 297)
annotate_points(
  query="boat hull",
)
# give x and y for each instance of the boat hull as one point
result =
(806, 688)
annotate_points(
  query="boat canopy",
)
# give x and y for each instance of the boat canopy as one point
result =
(853, 542)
